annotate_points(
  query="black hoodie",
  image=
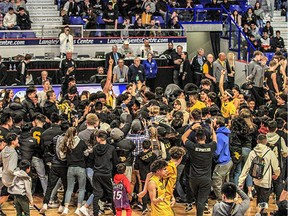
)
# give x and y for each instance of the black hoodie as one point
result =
(143, 163)
(105, 157)
(49, 108)
(28, 146)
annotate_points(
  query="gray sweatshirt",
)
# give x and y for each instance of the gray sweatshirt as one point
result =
(223, 208)
(21, 185)
(9, 159)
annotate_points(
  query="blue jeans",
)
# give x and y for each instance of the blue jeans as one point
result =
(38, 164)
(238, 169)
(89, 173)
(73, 174)
(179, 189)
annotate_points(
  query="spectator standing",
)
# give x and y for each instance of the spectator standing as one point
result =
(21, 188)
(218, 66)
(23, 20)
(90, 20)
(136, 72)
(271, 169)
(67, 70)
(105, 159)
(75, 150)
(151, 70)
(66, 42)
(177, 60)
(202, 153)
(4, 80)
(24, 77)
(255, 61)
(185, 70)
(197, 66)
(10, 20)
(208, 70)
(114, 54)
(222, 155)
(110, 17)
(120, 72)
(270, 77)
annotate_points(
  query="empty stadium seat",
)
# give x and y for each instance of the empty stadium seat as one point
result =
(99, 20)
(235, 7)
(2, 35)
(245, 7)
(269, 55)
(120, 20)
(28, 35)
(159, 18)
(76, 20)
(14, 35)
(200, 13)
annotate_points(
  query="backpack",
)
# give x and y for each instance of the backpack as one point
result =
(257, 166)
(279, 156)
(60, 155)
(120, 196)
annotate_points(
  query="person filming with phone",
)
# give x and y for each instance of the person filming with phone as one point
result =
(66, 42)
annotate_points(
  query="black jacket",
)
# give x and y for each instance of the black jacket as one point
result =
(28, 146)
(3, 75)
(30, 109)
(49, 108)
(195, 66)
(46, 141)
(105, 157)
(134, 71)
(107, 57)
(124, 149)
(15, 109)
(143, 163)
(24, 22)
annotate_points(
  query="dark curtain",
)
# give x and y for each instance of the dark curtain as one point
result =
(215, 42)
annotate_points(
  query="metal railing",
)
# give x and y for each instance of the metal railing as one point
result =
(238, 41)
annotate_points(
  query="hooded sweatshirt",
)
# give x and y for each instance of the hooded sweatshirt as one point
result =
(223, 208)
(272, 139)
(222, 152)
(105, 157)
(21, 185)
(143, 162)
(75, 157)
(271, 165)
(121, 177)
(9, 158)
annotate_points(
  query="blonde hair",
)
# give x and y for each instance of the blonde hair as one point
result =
(231, 59)
(154, 110)
(68, 140)
(92, 119)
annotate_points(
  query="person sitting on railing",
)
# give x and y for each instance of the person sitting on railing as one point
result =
(10, 20)
(72, 8)
(23, 20)
(268, 28)
(213, 14)
(19, 4)
(265, 42)
(110, 17)
(138, 25)
(249, 17)
(259, 13)
(255, 30)
(277, 43)
(146, 16)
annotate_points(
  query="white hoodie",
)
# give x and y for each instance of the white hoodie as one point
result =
(271, 163)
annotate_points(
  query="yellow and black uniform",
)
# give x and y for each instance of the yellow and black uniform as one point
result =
(197, 105)
(228, 109)
(161, 208)
(171, 180)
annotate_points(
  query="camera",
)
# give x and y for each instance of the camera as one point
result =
(263, 205)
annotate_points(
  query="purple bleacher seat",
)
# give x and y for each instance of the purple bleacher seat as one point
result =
(28, 35)
(269, 55)
(159, 18)
(245, 7)
(99, 20)
(235, 7)
(120, 20)
(14, 35)
(76, 20)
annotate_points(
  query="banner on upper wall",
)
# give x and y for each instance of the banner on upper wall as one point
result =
(88, 41)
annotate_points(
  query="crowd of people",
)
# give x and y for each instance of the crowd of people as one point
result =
(160, 146)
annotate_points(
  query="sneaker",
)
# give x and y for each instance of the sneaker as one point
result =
(250, 195)
(84, 211)
(53, 204)
(78, 212)
(145, 212)
(60, 209)
(44, 209)
(189, 207)
(206, 209)
(65, 212)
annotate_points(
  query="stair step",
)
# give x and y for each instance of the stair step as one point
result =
(47, 33)
(279, 24)
(41, 13)
(277, 13)
(279, 19)
(32, 2)
(36, 7)
(43, 20)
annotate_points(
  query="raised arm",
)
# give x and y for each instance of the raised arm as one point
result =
(109, 76)
(221, 82)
